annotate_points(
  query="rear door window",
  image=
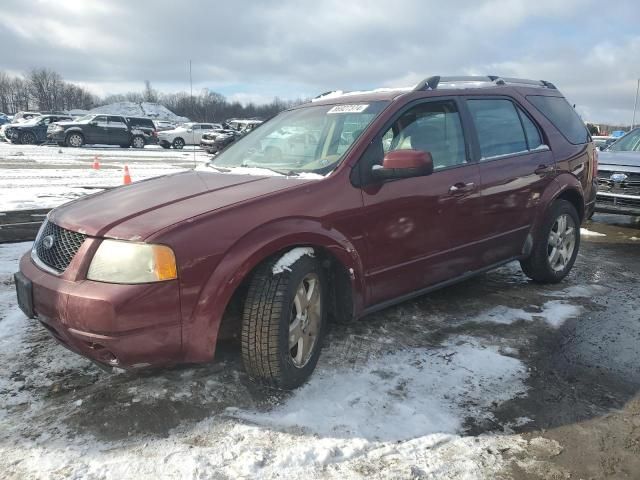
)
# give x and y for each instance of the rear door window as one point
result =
(533, 134)
(563, 116)
(498, 126)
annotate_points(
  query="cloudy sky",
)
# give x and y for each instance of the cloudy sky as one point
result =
(253, 50)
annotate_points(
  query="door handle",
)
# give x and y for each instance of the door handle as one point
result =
(543, 169)
(460, 188)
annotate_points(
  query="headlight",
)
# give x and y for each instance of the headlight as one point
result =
(127, 262)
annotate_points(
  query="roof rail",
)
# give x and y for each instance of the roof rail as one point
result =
(432, 83)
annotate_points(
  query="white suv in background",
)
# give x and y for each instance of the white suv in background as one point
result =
(185, 134)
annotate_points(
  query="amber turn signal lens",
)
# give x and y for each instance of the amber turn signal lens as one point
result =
(164, 263)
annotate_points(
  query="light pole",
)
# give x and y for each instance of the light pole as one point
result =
(635, 106)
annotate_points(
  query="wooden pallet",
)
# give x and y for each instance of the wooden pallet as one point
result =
(21, 225)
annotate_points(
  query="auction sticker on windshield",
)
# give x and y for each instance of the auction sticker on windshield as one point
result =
(357, 108)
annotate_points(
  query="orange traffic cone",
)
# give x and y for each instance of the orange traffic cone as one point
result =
(96, 163)
(127, 178)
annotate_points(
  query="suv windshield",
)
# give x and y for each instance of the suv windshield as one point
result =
(629, 143)
(308, 139)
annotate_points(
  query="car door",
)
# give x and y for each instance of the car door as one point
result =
(117, 131)
(516, 166)
(95, 132)
(40, 129)
(420, 231)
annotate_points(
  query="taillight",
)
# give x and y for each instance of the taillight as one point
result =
(154, 133)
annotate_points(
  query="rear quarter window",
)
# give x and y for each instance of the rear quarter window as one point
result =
(141, 122)
(563, 116)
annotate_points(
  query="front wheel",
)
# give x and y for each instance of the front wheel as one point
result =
(283, 323)
(137, 142)
(75, 140)
(27, 138)
(556, 247)
(178, 144)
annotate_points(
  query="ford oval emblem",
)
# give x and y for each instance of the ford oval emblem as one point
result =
(618, 177)
(48, 241)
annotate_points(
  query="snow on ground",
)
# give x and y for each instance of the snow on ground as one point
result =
(554, 313)
(589, 233)
(401, 414)
(46, 176)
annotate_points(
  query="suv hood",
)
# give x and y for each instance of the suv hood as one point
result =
(137, 211)
(619, 161)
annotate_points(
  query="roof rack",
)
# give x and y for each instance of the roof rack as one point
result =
(432, 83)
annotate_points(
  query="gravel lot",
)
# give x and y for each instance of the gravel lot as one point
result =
(496, 377)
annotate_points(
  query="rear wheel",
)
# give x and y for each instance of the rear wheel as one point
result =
(283, 323)
(178, 144)
(27, 138)
(137, 142)
(556, 248)
(75, 140)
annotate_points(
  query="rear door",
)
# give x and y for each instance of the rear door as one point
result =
(421, 231)
(117, 131)
(516, 166)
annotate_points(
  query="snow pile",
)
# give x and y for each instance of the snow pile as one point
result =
(144, 109)
(289, 258)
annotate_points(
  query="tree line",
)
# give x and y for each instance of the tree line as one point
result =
(42, 89)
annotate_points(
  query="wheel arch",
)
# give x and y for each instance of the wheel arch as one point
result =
(564, 187)
(227, 284)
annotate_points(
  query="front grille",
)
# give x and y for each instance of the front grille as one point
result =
(629, 186)
(64, 246)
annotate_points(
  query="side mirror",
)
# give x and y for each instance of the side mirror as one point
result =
(403, 164)
(189, 130)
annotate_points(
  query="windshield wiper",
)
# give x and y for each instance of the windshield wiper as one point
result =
(244, 165)
(222, 170)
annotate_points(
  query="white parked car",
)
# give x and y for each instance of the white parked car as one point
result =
(185, 134)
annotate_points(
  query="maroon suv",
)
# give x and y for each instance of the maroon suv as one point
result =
(392, 194)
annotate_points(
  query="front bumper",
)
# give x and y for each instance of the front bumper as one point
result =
(128, 326)
(618, 203)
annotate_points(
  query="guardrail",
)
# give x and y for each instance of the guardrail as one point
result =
(21, 225)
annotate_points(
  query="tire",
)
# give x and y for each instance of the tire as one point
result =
(27, 138)
(553, 255)
(137, 142)
(272, 307)
(74, 139)
(178, 144)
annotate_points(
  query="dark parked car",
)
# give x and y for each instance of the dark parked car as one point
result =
(407, 192)
(32, 131)
(619, 176)
(217, 140)
(98, 129)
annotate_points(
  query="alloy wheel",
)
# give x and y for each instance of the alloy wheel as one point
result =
(306, 317)
(561, 243)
